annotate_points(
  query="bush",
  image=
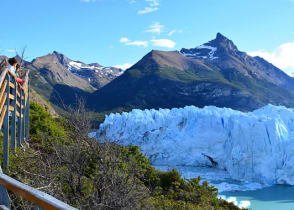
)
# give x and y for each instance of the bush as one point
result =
(82, 172)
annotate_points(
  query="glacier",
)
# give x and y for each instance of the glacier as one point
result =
(254, 147)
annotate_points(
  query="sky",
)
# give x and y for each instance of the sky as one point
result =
(121, 32)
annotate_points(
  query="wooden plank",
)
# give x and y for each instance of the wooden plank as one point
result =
(2, 116)
(2, 102)
(11, 96)
(3, 76)
(33, 195)
(11, 85)
(3, 89)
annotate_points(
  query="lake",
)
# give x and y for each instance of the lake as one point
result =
(279, 197)
(261, 197)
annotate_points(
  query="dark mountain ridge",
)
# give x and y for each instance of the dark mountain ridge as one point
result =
(215, 73)
(60, 80)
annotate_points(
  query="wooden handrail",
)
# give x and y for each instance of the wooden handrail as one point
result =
(3, 75)
(33, 195)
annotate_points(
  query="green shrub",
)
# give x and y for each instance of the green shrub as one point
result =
(42, 122)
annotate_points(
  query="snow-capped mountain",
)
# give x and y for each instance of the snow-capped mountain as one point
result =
(256, 146)
(222, 53)
(97, 75)
(215, 73)
(212, 50)
(201, 52)
(61, 80)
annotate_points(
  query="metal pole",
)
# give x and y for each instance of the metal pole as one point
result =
(4, 198)
(23, 118)
(27, 119)
(6, 127)
(19, 126)
(13, 121)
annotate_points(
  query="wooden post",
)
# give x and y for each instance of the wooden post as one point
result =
(19, 123)
(27, 116)
(6, 126)
(13, 121)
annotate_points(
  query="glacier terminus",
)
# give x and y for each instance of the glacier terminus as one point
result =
(256, 146)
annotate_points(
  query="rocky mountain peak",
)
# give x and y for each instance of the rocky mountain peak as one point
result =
(61, 58)
(223, 43)
(212, 50)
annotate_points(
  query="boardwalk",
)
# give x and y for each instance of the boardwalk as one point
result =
(14, 124)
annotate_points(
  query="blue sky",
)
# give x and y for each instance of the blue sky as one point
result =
(116, 32)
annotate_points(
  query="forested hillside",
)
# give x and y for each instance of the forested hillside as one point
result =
(61, 160)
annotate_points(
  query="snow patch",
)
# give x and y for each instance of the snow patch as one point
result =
(209, 56)
(212, 51)
(75, 64)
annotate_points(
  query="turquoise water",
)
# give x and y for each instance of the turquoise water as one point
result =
(278, 197)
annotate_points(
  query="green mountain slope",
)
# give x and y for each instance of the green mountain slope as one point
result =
(172, 79)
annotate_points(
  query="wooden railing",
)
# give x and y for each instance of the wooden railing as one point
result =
(14, 117)
(14, 104)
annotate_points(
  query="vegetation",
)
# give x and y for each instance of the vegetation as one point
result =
(61, 160)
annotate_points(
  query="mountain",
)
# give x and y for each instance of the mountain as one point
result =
(215, 73)
(97, 75)
(224, 54)
(61, 80)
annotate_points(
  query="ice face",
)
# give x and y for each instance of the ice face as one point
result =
(256, 146)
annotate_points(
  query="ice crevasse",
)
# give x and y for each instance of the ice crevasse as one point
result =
(256, 146)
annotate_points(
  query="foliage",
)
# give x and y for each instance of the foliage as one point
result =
(42, 122)
(61, 160)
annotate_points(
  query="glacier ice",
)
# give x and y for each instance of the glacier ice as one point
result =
(257, 146)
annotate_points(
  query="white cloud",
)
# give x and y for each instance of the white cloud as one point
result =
(128, 42)
(163, 43)
(124, 40)
(124, 66)
(152, 7)
(174, 31)
(155, 28)
(155, 3)
(87, 1)
(282, 57)
(8, 50)
(147, 10)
